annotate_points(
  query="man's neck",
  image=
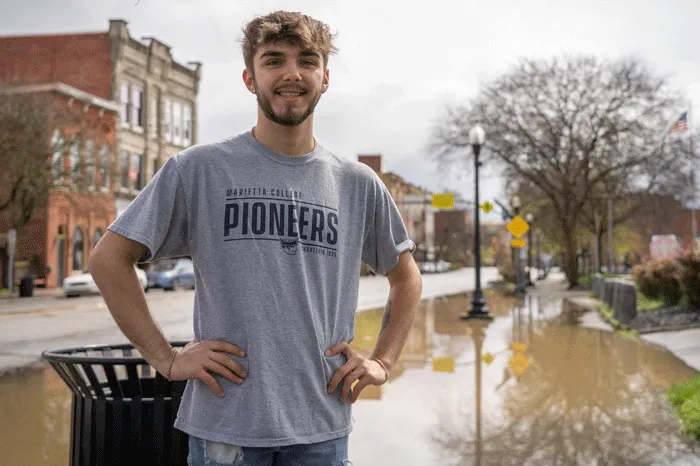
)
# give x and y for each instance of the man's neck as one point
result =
(287, 140)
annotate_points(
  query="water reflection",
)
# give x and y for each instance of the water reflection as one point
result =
(585, 397)
(35, 417)
(582, 397)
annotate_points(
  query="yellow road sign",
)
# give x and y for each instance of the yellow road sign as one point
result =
(488, 358)
(519, 363)
(444, 201)
(487, 207)
(518, 226)
(517, 243)
(519, 347)
(444, 364)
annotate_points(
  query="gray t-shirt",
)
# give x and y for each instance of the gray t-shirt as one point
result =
(277, 244)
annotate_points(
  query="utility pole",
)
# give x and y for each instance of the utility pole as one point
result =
(693, 221)
(596, 256)
(611, 247)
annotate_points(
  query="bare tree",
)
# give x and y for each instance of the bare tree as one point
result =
(574, 127)
(36, 159)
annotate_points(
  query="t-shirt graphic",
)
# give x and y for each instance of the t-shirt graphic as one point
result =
(281, 216)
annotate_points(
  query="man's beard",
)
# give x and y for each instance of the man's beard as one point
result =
(289, 119)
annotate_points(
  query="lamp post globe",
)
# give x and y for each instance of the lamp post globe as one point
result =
(477, 138)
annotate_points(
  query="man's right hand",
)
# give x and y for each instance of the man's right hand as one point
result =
(197, 359)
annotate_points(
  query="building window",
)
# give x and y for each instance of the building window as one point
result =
(135, 171)
(104, 166)
(136, 111)
(167, 116)
(124, 169)
(187, 126)
(74, 159)
(124, 102)
(177, 123)
(90, 163)
(78, 249)
(154, 114)
(57, 158)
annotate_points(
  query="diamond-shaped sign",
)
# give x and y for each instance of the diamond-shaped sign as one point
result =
(487, 207)
(519, 347)
(519, 363)
(518, 226)
(488, 358)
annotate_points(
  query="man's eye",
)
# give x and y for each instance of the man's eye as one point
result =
(273, 62)
(309, 62)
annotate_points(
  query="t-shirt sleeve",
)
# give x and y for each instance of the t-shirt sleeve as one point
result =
(386, 236)
(157, 218)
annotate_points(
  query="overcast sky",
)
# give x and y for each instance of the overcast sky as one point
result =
(397, 65)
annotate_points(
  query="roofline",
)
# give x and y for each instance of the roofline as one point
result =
(66, 90)
(43, 34)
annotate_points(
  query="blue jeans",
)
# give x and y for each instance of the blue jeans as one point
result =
(330, 453)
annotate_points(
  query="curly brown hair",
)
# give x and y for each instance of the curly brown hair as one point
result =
(286, 27)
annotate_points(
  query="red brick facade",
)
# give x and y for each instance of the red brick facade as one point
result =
(45, 245)
(79, 60)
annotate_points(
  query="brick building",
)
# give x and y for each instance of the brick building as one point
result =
(412, 201)
(61, 234)
(156, 110)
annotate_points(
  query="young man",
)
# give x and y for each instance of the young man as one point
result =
(277, 228)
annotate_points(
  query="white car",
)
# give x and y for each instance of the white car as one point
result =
(83, 283)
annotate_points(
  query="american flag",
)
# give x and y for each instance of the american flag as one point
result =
(681, 125)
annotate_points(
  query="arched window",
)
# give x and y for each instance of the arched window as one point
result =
(96, 237)
(78, 245)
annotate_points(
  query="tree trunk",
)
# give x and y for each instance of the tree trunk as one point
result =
(571, 264)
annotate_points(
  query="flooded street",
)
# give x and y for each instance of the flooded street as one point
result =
(528, 388)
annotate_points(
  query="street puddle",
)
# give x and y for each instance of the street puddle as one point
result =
(545, 391)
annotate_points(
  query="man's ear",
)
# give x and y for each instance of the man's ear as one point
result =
(326, 80)
(248, 80)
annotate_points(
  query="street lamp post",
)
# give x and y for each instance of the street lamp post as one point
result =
(529, 219)
(477, 137)
(515, 203)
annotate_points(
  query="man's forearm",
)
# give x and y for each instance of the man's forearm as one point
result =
(122, 292)
(399, 314)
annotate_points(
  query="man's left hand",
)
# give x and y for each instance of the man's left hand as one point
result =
(365, 371)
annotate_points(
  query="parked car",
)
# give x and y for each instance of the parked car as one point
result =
(83, 283)
(434, 266)
(171, 274)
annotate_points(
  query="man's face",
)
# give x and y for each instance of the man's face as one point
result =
(288, 82)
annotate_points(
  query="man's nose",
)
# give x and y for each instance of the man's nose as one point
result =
(292, 72)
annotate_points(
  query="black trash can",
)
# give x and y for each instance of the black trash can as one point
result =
(123, 410)
(26, 287)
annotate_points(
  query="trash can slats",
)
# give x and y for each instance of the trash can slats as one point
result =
(123, 411)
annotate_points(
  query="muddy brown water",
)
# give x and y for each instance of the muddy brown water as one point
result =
(546, 392)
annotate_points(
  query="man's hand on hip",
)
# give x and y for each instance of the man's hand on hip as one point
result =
(197, 359)
(357, 367)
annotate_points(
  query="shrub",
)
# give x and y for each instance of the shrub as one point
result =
(508, 271)
(689, 278)
(645, 281)
(665, 275)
